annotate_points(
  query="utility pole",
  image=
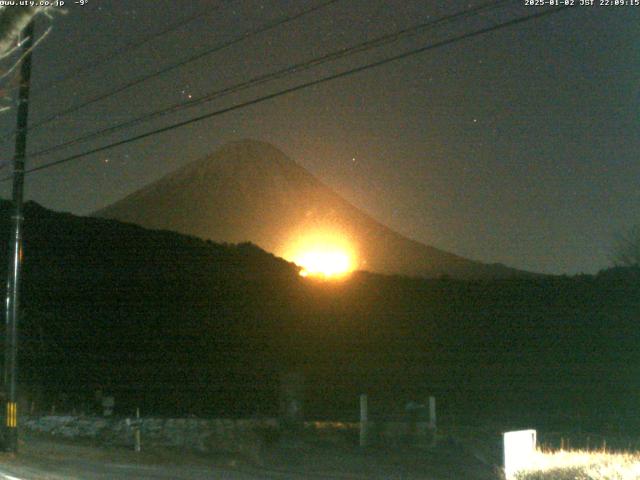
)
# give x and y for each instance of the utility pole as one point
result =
(15, 259)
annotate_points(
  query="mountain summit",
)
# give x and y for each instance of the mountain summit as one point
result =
(251, 191)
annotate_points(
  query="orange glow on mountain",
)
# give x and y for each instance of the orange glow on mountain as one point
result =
(324, 263)
(325, 255)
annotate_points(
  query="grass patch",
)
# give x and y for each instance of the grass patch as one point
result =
(582, 465)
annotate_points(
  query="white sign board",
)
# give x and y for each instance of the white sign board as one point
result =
(519, 449)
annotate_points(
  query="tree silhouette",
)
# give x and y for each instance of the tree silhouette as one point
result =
(626, 250)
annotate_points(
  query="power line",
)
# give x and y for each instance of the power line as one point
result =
(298, 87)
(133, 45)
(124, 49)
(221, 46)
(297, 68)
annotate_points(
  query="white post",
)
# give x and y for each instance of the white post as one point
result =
(137, 431)
(363, 420)
(433, 426)
(432, 413)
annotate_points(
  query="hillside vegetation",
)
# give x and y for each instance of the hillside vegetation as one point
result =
(179, 325)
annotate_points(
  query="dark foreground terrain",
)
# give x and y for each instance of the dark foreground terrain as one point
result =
(179, 326)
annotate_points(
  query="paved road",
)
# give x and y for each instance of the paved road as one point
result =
(46, 460)
(82, 469)
(41, 459)
(114, 471)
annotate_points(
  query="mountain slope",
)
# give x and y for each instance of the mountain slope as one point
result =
(250, 191)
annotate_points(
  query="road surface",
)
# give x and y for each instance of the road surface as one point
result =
(46, 459)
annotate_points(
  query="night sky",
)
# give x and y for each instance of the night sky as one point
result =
(519, 146)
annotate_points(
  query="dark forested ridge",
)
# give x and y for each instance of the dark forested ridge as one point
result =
(179, 325)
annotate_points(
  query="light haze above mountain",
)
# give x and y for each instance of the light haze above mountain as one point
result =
(251, 191)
